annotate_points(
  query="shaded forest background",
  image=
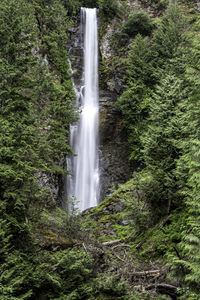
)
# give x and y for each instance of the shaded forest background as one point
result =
(158, 55)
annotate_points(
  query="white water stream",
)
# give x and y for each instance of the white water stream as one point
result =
(83, 184)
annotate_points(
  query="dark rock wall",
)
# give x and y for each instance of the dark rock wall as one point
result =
(114, 149)
(114, 163)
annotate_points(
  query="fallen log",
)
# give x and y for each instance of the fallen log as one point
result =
(163, 288)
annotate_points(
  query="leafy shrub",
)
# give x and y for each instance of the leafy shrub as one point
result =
(138, 22)
(112, 287)
(108, 8)
(71, 6)
(119, 40)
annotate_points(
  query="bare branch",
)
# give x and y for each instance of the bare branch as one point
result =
(110, 243)
(156, 228)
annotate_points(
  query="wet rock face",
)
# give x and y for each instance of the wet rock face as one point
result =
(114, 163)
(105, 48)
(75, 50)
(54, 186)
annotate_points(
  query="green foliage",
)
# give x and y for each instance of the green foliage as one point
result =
(169, 36)
(75, 269)
(25, 149)
(123, 213)
(108, 8)
(186, 265)
(140, 65)
(160, 142)
(109, 286)
(63, 274)
(72, 222)
(19, 158)
(145, 65)
(164, 101)
(71, 6)
(35, 112)
(138, 22)
(160, 109)
(130, 103)
(134, 102)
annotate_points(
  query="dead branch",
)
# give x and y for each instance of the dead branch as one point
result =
(118, 257)
(131, 235)
(146, 273)
(169, 205)
(156, 228)
(85, 248)
(155, 278)
(120, 245)
(110, 243)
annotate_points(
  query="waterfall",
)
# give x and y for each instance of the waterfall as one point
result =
(83, 183)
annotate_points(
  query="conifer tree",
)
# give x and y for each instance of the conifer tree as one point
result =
(186, 266)
(191, 237)
(18, 139)
(160, 140)
(169, 37)
(134, 102)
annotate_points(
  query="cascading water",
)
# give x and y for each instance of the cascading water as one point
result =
(83, 184)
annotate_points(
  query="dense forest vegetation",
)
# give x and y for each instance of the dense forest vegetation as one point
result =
(158, 58)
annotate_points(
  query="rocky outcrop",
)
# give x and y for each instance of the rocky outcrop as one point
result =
(50, 233)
